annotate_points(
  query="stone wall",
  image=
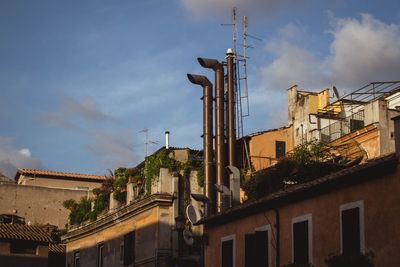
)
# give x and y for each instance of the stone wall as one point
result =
(38, 205)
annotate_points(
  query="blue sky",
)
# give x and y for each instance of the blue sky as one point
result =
(79, 81)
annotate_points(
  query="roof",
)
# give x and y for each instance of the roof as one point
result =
(343, 178)
(267, 131)
(59, 174)
(24, 232)
(5, 179)
(56, 248)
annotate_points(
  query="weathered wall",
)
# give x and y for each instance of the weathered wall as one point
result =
(262, 147)
(59, 183)
(381, 220)
(152, 232)
(36, 204)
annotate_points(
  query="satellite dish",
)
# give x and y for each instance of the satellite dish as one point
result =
(193, 214)
(336, 92)
(188, 237)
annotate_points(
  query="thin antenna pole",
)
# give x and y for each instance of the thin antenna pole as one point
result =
(147, 141)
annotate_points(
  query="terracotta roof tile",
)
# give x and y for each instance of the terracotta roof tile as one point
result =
(60, 174)
(24, 232)
(57, 248)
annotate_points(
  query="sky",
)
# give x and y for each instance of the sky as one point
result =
(81, 80)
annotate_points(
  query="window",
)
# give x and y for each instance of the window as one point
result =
(129, 248)
(302, 239)
(121, 253)
(77, 259)
(257, 249)
(228, 251)
(352, 227)
(100, 255)
(280, 149)
(356, 125)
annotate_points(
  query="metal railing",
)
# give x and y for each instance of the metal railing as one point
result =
(343, 127)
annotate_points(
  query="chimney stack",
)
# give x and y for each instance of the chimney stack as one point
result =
(167, 139)
(209, 177)
(220, 150)
(231, 108)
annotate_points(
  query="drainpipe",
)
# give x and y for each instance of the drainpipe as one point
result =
(278, 239)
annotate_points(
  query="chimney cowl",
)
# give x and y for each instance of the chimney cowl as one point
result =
(198, 79)
(210, 63)
(229, 52)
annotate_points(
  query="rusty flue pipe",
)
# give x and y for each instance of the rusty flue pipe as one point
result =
(220, 150)
(209, 177)
(231, 131)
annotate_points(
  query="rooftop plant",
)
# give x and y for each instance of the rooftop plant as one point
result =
(308, 161)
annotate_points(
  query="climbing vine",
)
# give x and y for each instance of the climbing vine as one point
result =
(153, 163)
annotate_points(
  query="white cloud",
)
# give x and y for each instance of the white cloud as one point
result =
(12, 158)
(362, 51)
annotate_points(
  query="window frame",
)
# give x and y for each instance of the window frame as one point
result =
(100, 255)
(351, 205)
(77, 256)
(267, 228)
(299, 219)
(228, 238)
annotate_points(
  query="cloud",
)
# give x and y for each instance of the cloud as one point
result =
(113, 148)
(206, 8)
(71, 110)
(86, 108)
(12, 158)
(362, 51)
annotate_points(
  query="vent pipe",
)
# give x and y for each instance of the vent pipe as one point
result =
(167, 139)
(231, 108)
(209, 177)
(220, 151)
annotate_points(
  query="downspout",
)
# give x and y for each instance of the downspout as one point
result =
(278, 239)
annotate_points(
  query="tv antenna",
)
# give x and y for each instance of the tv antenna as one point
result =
(147, 141)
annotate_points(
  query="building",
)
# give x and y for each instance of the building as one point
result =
(24, 245)
(38, 195)
(263, 149)
(354, 211)
(148, 229)
(61, 180)
(365, 115)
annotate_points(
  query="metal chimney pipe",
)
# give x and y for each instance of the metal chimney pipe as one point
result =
(167, 139)
(220, 154)
(209, 177)
(231, 108)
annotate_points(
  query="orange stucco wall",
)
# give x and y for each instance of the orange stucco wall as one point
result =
(262, 147)
(381, 201)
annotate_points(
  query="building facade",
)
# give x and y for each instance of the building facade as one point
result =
(354, 210)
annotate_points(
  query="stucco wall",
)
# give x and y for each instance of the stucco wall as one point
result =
(262, 147)
(39, 205)
(152, 231)
(381, 202)
(59, 182)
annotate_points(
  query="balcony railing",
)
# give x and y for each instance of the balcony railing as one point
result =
(343, 127)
